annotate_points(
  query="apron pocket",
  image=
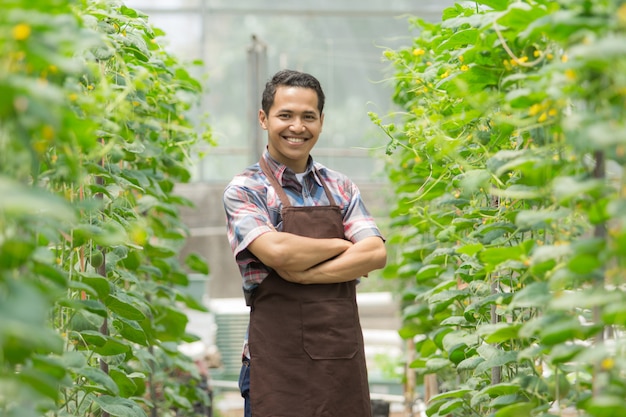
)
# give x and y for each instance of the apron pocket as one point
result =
(329, 328)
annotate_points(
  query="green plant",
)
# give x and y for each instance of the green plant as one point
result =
(94, 134)
(510, 184)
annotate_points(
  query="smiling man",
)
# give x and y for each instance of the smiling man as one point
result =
(302, 238)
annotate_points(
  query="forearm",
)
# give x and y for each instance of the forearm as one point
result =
(358, 260)
(287, 251)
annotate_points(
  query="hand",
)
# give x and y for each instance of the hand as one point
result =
(297, 277)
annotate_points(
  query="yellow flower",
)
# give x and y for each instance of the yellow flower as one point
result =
(552, 112)
(461, 58)
(564, 58)
(464, 68)
(621, 14)
(40, 146)
(523, 59)
(607, 364)
(550, 56)
(537, 53)
(73, 96)
(543, 117)
(48, 133)
(445, 74)
(570, 74)
(534, 109)
(21, 32)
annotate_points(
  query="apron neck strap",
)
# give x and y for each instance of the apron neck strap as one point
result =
(279, 190)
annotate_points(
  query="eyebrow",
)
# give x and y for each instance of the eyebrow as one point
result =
(291, 111)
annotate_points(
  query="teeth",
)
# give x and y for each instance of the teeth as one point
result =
(295, 140)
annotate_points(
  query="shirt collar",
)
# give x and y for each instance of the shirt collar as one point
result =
(283, 173)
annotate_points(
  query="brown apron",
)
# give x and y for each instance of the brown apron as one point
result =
(306, 344)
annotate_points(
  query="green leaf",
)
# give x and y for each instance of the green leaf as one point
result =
(492, 257)
(40, 382)
(584, 263)
(113, 346)
(197, 263)
(435, 365)
(516, 410)
(494, 357)
(19, 200)
(469, 364)
(459, 39)
(127, 386)
(561, 331)
(96, 281)
(538, 219)
(170, 323)
(120, 407)
(495, 4)
(504, 388)
(93, 338)
(520, 15)
(505, 400)
(566, 188)
(126, 11)
(470, 249)
(51, 272)
(615, 314)
(586, 299)
(130, 330)
(450, 406)
(544, 253)
(499, 332)
(472, 181)
(99, 377)
(15, 252)
(606, 405)
(124, 305)
(428, 272)
(564, 353)
(536, 294)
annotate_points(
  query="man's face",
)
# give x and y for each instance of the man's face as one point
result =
(293, 126)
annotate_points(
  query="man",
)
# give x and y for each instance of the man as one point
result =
(302, 238)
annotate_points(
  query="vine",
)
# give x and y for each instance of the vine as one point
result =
(509, 178)
(95, 132)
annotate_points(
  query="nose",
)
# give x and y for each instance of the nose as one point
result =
(297, 126)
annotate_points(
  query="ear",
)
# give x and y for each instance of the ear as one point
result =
(263, 119)
(321, 121)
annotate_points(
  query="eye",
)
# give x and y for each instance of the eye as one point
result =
(310, 117)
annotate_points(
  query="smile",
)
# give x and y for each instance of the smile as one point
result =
(295, 140)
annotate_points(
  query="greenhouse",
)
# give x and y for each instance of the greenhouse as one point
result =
(486, 138)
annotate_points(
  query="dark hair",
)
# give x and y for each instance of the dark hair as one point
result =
(291, 78)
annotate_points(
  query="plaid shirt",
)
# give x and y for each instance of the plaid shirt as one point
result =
(251, 203)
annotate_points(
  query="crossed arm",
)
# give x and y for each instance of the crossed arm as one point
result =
(307, 260)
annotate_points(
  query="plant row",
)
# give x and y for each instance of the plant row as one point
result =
(507, 158)
(96, 129)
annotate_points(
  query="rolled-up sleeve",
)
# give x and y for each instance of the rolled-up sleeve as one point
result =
(247, 219)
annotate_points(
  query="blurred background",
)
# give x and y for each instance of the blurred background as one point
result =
(240, 44)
